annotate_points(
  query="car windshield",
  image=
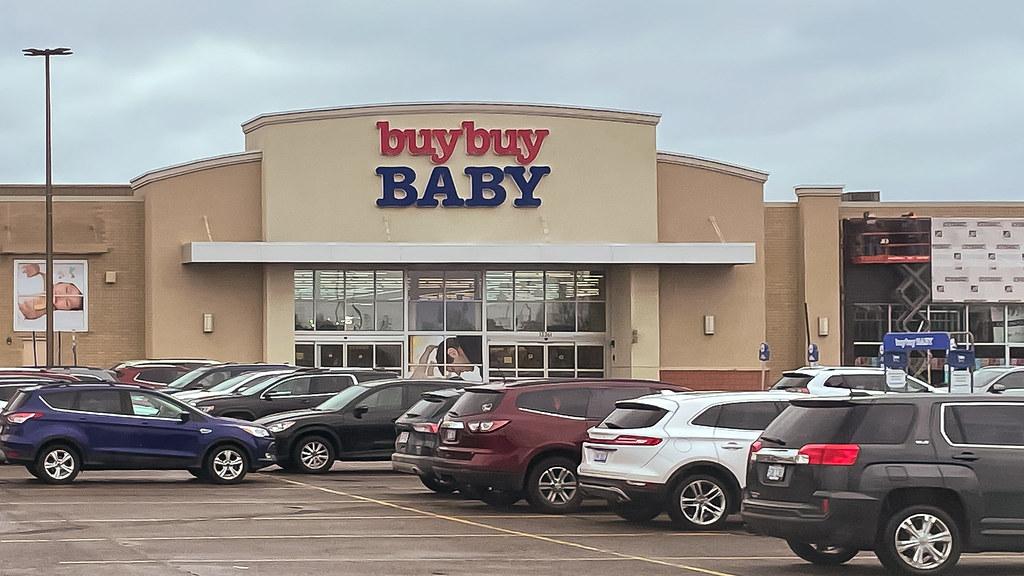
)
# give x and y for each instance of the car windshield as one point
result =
(187, 378)
(985, 376)
(230, 384)
(243, 382)
(342, 399)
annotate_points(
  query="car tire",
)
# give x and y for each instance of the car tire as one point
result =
(636, 512)
(313, 455)
(32, 470)
(822, 555)
(225, 464)
(57, 464)
(552, 486)
(470, 491)
(501, 499)
(437, 485)
(920, 521)
(700, 502)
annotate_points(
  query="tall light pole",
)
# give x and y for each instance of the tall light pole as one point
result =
(46, 53)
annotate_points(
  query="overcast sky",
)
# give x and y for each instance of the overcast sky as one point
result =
(923, 100)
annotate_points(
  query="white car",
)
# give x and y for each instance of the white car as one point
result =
(840, 380)
(682, 453)
(234, 385)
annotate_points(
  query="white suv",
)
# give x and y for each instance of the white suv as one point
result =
(683, 453)
(840, 380)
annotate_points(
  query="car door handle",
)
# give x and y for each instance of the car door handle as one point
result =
(732, 446)
(966, 456)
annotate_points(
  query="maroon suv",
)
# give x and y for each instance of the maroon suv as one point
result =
(523, 439)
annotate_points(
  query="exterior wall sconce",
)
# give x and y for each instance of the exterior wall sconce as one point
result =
(822, 325)
(207, 323)
(709, 325)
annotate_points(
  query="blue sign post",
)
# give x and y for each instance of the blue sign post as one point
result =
(897, 360)
(764, 354)
(812, 355)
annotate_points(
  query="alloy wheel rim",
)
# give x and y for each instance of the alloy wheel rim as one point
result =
(557, 485)
(702, 502)
(314, 455)
(59, 464)
(923, 541)
(228, 464)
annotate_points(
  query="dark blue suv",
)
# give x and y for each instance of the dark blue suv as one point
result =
(58, 430)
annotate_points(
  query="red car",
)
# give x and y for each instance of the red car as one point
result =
(504, 442)
(156, 373)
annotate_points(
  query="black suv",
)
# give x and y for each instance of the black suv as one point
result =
(297, 390)
(417, 438)
(357, 424)
(918, 479)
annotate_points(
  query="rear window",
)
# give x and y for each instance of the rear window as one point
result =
(8, 392)
(425, 408)
(792, 380)
(160, 375)
(477, 402)
(841, 424)
(628, 416)
(559, 401)
(16, 403)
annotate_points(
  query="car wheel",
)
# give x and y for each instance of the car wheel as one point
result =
(500, 498)
(636, 512)
(821, 554)
(57, 464)
(313, 455)
(552, 486)
(919, 541)
(437, 485)
(700, 502)
(225, 465)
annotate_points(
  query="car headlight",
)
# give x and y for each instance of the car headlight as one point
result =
(280, 426)
(256, 431)
(206, 408)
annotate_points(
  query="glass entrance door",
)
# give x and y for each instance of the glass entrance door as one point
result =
(545, 360)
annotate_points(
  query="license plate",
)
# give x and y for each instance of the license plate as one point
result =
(403, 437)
(600, 456)
(449, 435)
(776, 472)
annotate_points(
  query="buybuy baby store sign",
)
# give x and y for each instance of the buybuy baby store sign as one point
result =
(479, 186)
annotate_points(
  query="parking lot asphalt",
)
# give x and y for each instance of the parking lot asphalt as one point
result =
(358, 519)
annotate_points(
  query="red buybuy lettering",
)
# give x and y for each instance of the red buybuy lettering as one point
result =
(440, 144)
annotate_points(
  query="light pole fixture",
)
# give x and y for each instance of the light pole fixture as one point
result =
(46, 53)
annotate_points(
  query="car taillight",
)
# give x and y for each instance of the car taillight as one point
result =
(627, 440)
(485, 425)
(755, 448)
(426, 427)
(802, 390)
(22, 417)
(831, 454)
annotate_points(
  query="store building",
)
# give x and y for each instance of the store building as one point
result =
(464, 239)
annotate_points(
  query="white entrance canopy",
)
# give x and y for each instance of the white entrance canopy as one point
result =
(724, 253)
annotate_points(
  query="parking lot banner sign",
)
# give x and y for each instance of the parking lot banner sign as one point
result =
(961, 382)
(915, 341)
(896, 359)
(960, 359)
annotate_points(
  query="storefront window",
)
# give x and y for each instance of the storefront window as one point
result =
(1015, 323)
(870, 322)
(305, 355)
(986, 323)
(354, 300)
(551, 301)
(304, 300)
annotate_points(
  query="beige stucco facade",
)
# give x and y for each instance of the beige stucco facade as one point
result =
(697, 269)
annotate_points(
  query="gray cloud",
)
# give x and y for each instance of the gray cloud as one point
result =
(920, 99)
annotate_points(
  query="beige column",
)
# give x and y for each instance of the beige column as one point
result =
(278, 313)
(819, 244)
(633, 322)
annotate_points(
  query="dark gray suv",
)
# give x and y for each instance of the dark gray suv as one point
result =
(916, 478)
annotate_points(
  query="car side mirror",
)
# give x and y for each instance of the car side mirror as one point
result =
(185, 417)
(997, 388)
(360, 410)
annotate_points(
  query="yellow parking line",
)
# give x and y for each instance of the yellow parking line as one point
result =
(468, 522)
